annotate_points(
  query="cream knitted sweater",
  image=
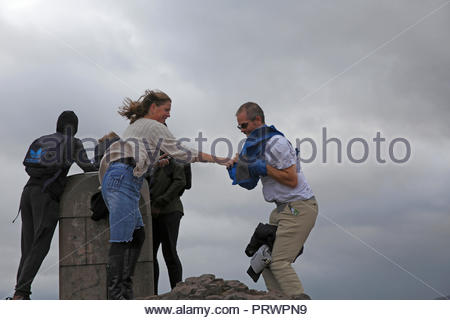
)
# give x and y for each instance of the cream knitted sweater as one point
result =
(142, 141)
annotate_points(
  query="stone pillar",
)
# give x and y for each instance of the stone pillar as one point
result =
(84, 245)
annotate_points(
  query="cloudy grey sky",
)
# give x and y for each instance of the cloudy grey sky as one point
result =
(353, 67)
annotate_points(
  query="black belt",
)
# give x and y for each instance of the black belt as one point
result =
(279, 204)
(129, 161)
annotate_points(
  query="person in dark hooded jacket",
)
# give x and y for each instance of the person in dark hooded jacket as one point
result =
(39, 206)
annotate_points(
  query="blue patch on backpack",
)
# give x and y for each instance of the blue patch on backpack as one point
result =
(35, 156)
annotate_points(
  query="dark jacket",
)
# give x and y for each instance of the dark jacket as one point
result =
(67, 124)
(166, 185)
(264, 235)
(260, 249)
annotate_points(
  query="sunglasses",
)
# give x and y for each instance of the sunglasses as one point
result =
(243, 126)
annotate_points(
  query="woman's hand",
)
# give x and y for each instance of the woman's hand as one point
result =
(232, 161)
(227, 162)
(163, 160)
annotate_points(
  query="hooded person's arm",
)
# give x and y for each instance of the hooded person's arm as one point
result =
(82, 159)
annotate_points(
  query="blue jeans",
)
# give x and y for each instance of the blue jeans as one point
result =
(121, 192)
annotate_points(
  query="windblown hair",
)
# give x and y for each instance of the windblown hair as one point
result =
(134, 110)
(252, 110)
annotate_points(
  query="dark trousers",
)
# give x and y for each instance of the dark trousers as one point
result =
(40, 215)
(165, 233)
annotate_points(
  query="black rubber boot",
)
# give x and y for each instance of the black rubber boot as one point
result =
(114, 277)
(114, 271)
(131, 257)
(130, 266)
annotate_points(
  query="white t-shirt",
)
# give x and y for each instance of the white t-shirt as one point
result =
(281, 155)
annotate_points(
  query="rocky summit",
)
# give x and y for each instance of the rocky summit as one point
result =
(208, 287)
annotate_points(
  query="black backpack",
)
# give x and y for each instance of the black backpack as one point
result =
(98, 207)
(47, 157)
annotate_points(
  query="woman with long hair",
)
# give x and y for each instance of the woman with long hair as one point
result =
(121, 174)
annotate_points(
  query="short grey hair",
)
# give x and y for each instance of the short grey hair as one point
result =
(252, 109)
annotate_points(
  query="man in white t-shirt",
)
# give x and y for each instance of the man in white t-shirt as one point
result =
(269, 156)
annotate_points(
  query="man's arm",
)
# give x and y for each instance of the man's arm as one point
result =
(282, 159)
(287, 176)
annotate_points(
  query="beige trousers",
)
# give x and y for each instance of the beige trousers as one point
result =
(294, 222)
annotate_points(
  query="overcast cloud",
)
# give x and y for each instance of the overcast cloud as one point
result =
(353, 67)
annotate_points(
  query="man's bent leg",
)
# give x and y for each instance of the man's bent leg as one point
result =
(269, 279)
(293, 230)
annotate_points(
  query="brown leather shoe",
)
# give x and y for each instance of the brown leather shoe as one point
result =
(20, 297)
(301, 296)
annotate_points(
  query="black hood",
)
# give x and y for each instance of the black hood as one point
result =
(67, 123)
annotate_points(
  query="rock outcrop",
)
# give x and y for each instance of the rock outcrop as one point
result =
(207, 287)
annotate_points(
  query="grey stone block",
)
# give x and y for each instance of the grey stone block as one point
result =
(84, 243)
(85, 282)
(97, 246)
(143, 283)
(72, 240)
(147, 249)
